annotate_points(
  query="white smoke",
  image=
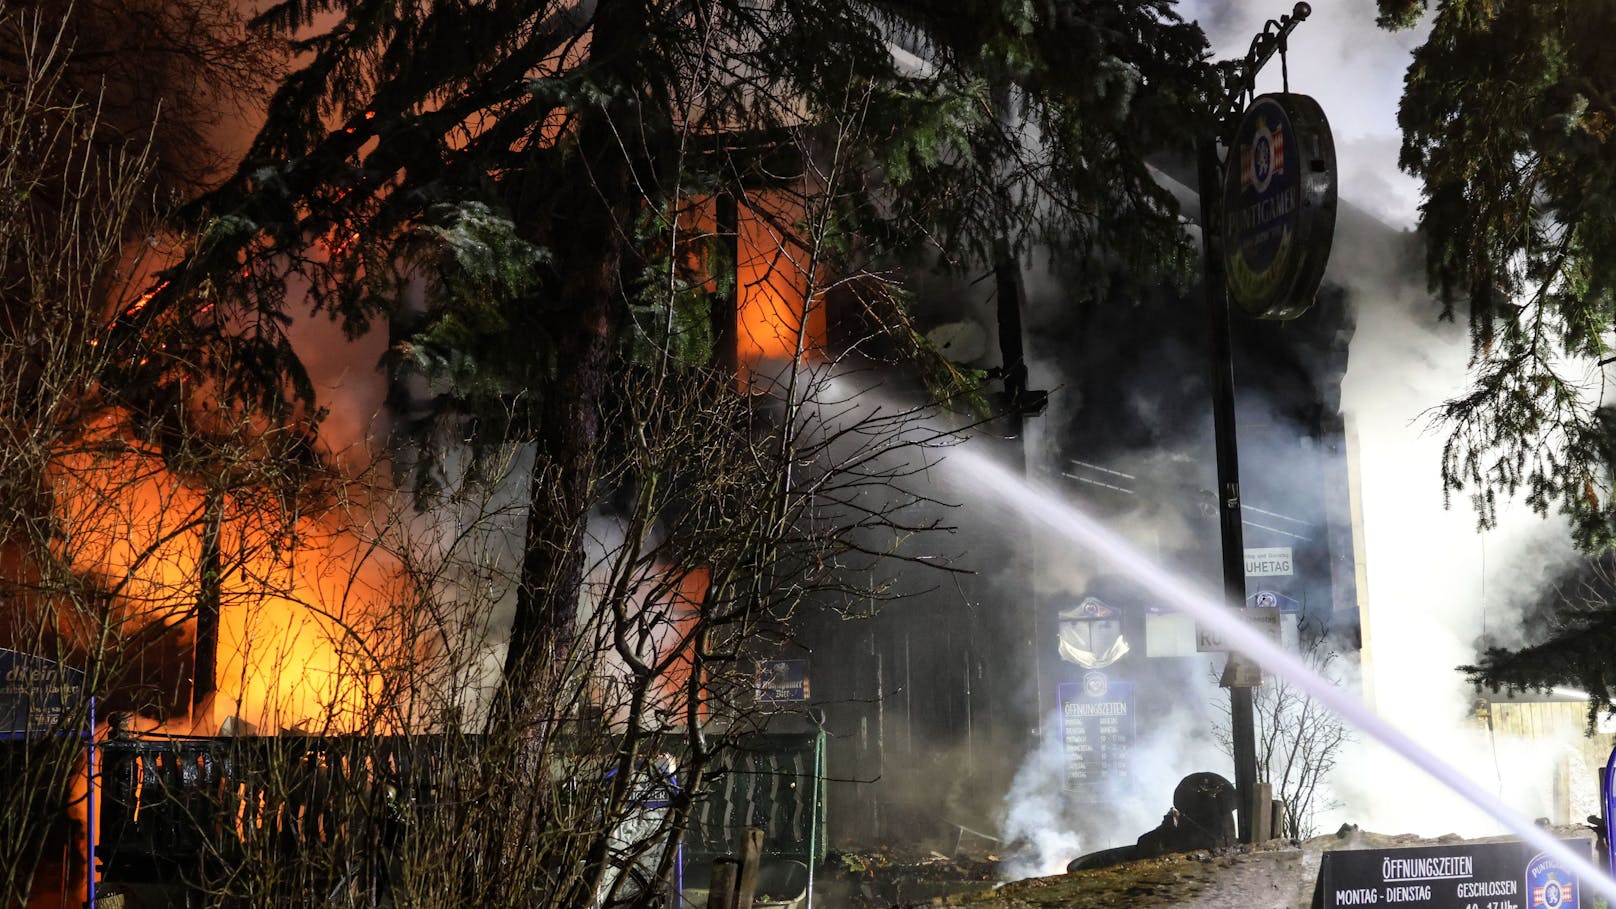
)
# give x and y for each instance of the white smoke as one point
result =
(1353, 68)
(1044, 829)
(1038, 824)
(1434, 584)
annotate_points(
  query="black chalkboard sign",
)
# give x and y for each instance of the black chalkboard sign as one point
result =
(1510, 875)
(35, 694)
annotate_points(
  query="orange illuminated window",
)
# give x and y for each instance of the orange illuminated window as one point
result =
(774, 318)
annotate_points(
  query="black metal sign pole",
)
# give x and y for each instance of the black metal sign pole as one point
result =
(1242, 727)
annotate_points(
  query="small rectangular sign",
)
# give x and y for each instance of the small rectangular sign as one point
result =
(780, 681)
(35, 694)
(1097, 731)
(1169, 635)
(1210, 640)
(1269, 562)
(1511, 875)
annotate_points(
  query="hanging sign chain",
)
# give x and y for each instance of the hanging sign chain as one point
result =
(1284, 66)
(1240, 78)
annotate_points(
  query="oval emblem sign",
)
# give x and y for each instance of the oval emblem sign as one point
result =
(1279, 199)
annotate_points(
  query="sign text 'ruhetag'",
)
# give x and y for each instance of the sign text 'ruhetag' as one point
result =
(1269, 562)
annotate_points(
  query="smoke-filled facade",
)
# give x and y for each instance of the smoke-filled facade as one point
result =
(944, 704)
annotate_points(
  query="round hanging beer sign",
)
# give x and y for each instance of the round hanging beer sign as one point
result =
(1279, 198)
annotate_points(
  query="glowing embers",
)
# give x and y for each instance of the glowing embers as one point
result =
(140, 302)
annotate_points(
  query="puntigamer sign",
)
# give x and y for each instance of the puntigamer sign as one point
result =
(1279, 200)
(1465, 876)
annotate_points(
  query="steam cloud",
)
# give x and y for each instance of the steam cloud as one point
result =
(1434, 584)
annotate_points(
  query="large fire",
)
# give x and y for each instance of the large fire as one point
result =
(305, 599)
(299, 595)
(310, 636)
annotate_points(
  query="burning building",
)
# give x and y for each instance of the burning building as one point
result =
(570, 526)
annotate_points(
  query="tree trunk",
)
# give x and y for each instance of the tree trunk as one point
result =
(590, 252)
(205, 660)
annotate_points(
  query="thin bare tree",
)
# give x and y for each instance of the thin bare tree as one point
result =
(1298, 739)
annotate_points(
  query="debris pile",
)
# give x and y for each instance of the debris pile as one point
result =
(890, 877)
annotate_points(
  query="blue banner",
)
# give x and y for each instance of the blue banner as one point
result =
(1097, 732)
(782, 681)
(1273, 599)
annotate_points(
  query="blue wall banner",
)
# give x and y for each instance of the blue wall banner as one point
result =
(1097, 732)
(781, 681)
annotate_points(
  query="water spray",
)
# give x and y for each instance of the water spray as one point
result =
(1049, 508)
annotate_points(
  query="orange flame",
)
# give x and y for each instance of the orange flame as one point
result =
(774, 318)
(141, 301)
(299, 596)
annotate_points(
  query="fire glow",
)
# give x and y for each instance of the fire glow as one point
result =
(296, 593)
(774, 318)
(298, 608)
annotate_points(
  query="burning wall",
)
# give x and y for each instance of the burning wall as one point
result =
(300, 595)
